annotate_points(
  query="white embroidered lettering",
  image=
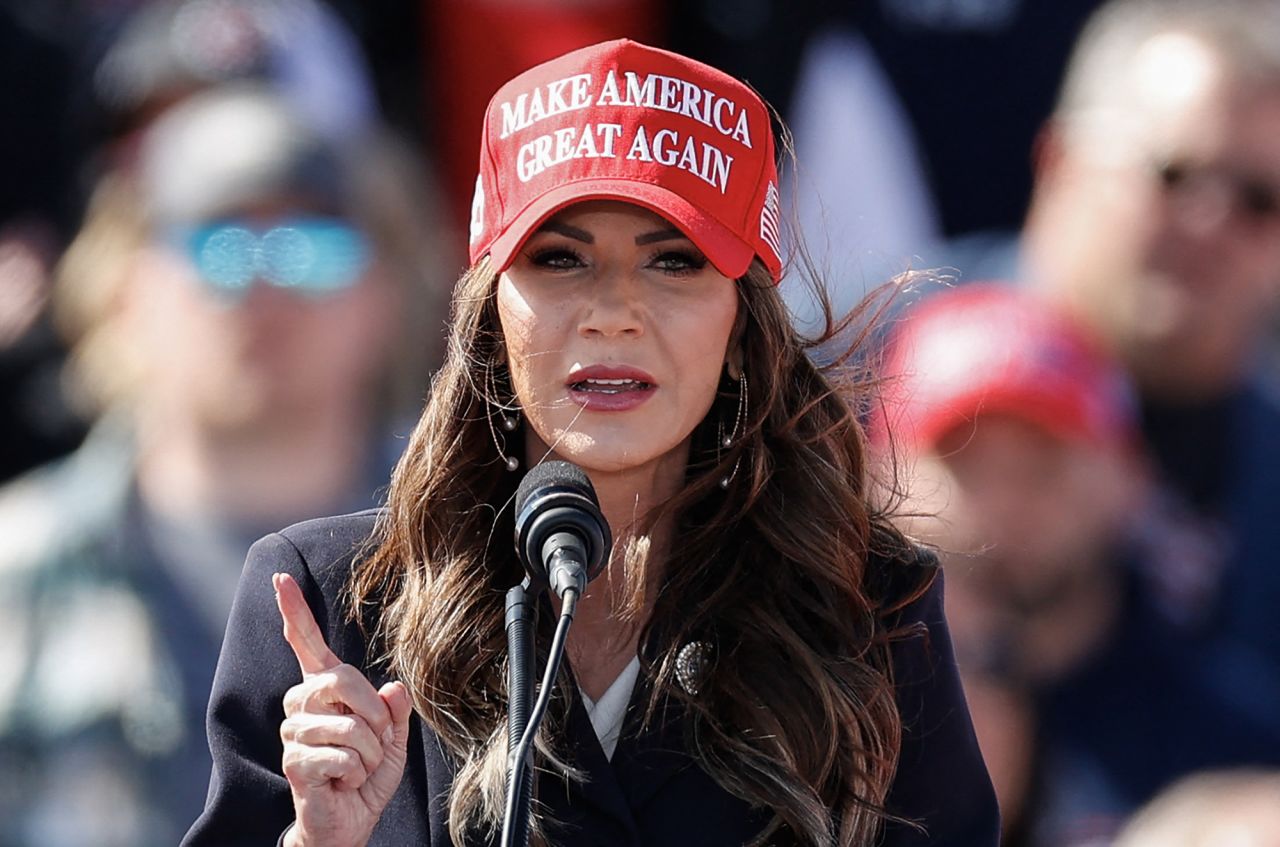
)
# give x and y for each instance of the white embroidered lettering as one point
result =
(555, 97)
(637, 94)
(513, 116)
(608, 134)
(563, 145)
(531, 107)
(586, 148)
(723, 105)
(477, 210)
(715, 167)
(742, 131)
(581, 91)
(689, 100)
(689, 158)
(640, 146)
(536, 110)
(609, 91)
(661, 153)
(670, 99)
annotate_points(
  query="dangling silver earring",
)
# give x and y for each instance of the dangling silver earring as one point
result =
(726, 441)
(509, 420)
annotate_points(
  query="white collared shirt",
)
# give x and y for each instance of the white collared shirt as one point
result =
(608, 712)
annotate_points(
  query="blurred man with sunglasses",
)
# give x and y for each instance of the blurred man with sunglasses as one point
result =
(1155, 220)
(239, 296)
(1156, 213)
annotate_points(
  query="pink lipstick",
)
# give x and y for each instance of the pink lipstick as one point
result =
(610, 388)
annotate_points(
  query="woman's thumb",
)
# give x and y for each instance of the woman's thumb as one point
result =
(396, 696)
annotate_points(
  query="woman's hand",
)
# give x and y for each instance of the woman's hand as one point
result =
(344, 741)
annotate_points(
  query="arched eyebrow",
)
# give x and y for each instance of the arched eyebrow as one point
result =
(567, 231)
(561, 228)
(660, 235)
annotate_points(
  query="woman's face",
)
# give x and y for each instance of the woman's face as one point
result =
(616, 329)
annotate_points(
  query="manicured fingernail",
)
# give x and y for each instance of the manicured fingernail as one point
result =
(388, 735)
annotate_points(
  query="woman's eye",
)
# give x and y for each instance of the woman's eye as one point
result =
(557, 258)
(679, 261)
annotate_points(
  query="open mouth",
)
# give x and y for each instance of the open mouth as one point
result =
(610, 386)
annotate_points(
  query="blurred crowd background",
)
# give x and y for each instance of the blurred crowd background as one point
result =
(228, 230)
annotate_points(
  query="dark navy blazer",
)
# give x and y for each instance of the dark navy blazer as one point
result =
(650, 793)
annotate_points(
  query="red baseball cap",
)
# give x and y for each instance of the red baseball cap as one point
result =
(620, 120)
(988, 348)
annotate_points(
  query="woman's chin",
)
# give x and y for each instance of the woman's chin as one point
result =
(605, 453)
(592, 455)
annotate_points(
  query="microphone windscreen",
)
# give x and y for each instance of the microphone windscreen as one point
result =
(558, 474)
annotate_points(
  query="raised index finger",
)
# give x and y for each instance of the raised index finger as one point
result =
(300, 628)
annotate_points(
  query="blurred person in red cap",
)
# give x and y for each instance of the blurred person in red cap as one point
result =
(236, 303)
(1019, 437)
(764, 658)
(1016, 436)
(1156, 223)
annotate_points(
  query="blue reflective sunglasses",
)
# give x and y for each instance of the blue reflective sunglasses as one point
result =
(314, 256)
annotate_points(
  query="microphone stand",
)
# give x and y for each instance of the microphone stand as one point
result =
(515, 821)
(561, 537)
(519, 623)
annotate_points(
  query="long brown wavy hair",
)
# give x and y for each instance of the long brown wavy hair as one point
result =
(783, 592)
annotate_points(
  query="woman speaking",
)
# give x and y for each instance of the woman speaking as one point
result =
(763, 661)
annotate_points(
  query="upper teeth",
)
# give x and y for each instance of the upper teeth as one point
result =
(609, 381)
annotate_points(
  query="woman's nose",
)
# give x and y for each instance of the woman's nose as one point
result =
(614, 307)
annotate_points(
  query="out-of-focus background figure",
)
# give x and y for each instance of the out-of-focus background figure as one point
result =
(246, 277)
(239, 296)
(1156, 222)
(81, 80)
(1236, 808)
(1017, 437)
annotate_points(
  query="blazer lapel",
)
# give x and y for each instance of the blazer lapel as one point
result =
(672, 798)
(596, 810)
(648, 757)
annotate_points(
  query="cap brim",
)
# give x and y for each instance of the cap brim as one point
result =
(1061, 419)
(726, 251)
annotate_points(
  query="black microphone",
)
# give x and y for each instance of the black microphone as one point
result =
(562, 539)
